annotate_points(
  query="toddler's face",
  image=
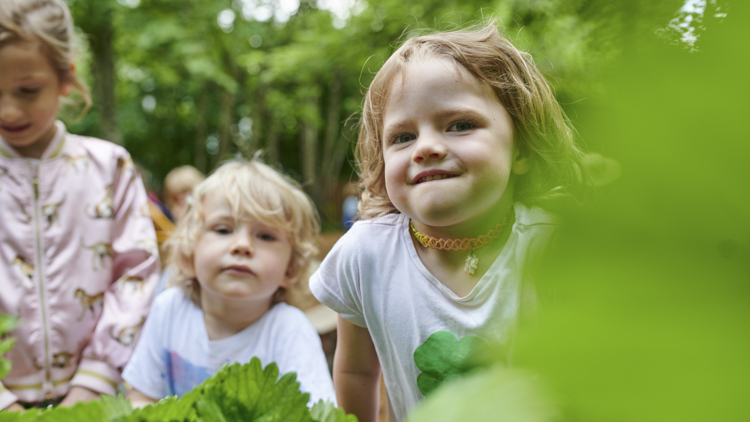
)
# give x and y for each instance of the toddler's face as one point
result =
(448, 146)
(239, 259)
(29, 97)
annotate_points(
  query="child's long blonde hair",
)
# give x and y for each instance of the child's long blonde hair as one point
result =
(253, 190)
(47, 22)
(540, 126)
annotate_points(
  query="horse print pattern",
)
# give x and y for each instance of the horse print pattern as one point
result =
(101, 251)
(75, 162)
(49, 212)
(89, 302)
(26, 269)
(127, 335)
(105, 207)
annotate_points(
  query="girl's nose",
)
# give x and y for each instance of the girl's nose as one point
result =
(429, 146)
(242, 244)
(9, 111)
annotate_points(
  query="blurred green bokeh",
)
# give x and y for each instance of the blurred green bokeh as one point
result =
(645, 297)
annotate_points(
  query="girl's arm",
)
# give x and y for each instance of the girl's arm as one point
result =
(356, 371)
(76, 394)
(138, 399)
(134, 272)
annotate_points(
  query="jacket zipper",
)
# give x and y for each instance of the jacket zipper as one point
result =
(47, 384)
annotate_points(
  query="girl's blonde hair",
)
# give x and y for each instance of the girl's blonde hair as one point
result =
(49, 23)
(252, 190)
(540, 126)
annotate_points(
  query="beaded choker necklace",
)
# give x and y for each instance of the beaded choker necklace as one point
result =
(461, 244)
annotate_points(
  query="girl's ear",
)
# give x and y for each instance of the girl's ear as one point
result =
(66, 86)
(521, 161)
(288, 275)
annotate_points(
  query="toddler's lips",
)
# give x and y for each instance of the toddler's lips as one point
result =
(15, 128)
(238, 269)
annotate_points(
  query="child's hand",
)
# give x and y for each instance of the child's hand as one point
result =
(15, 407)
(77, 394)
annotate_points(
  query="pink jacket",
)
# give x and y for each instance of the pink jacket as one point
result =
(78, 265)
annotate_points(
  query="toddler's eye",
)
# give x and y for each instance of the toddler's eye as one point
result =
(461, 126)
(405, 137)
(222, 230)
(267, 237)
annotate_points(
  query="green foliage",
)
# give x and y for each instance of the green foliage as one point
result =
(185, 85)
(7, 323)
(235, 393)
(497, 394)
(327, 412)
(645, 295)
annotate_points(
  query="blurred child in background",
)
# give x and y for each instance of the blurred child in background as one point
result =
(246, 236)
(78, 258)
(178, 185)
(461, 137)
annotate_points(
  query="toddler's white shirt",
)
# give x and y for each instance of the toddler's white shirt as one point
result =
(174, 353)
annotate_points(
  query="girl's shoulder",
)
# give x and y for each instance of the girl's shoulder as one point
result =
(531, 215)
(371, 233)
(78, 145)
(173, 301)
(378, 223)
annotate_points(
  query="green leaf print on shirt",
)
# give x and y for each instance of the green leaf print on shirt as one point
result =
(442, 357)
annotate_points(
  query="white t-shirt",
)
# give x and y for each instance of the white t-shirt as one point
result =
(422, 331)
(174, 353)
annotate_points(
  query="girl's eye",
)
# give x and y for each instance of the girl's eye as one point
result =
(400, 139)
(222, 230)
(461, 126)
(29, 91)
(267, 237)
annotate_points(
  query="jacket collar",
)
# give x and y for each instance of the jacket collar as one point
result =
(53, 149)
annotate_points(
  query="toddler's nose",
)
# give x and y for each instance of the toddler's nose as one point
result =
(242, 245)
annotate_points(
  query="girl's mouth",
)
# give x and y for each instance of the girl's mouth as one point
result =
(434, 177)
(15, 128)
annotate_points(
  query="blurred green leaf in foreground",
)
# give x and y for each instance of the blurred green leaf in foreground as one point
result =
(645, 312)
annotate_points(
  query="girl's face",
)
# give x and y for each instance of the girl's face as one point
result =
(448, 148)
(30, 91)
(239, 259)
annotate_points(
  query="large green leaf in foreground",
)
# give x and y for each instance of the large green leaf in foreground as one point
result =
(235, 393)
(497, 394)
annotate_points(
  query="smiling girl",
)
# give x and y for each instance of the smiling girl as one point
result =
(73, 236)
(461, 137)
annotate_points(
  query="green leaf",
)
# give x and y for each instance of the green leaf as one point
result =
(7, 323)
(82, 411)
(167, 409)
(498, 394)
(327, 412)
(249, 393)
(114, 408)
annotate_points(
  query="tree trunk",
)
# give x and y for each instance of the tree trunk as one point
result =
(103, 69)
(332, 150)
(201, 128)
(225, 121)
(272, 141)
(308, 151)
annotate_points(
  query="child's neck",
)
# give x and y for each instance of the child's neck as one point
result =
(225, 318)
(448, 266)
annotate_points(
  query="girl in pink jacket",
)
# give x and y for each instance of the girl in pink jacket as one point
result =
(78, 257)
